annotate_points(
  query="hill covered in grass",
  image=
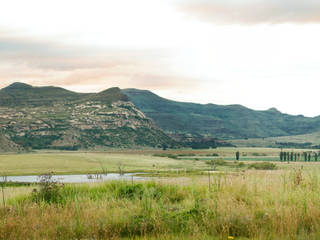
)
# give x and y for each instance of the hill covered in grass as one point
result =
(55, 118)
(221, 121)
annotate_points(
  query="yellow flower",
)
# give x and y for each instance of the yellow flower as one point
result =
(230, 237)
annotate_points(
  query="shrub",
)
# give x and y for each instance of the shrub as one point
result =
(50, 190)
(241, 164)
(259, 154)
(263, 166)
(168, 155)
(217, 162)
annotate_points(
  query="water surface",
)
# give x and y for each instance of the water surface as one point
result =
(79, 178)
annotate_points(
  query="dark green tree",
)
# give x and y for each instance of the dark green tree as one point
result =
(237, 156)
(281, 156)
(284, 156)
(309, 157)
(295, 157)
(291, 156)
(315, 156)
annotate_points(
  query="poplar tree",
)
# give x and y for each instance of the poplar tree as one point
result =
(237, 155)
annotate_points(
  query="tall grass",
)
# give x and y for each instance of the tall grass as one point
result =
(251, 205)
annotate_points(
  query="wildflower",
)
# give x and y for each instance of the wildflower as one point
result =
(230, 238)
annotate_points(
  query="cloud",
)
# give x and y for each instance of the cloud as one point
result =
(253, 11)
(43, 62)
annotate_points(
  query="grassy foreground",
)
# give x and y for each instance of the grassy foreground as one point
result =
(279, 204)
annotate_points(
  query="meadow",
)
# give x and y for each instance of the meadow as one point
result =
(233, 201)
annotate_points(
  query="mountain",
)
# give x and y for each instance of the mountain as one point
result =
(27, 95)
(221, 121)
(55, 118)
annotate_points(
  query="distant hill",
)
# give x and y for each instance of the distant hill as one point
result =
(221, 121)
(55, 118)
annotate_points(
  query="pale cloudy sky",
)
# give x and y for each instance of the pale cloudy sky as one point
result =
(258, 53)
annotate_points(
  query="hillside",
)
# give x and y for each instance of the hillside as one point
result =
(55, 118)
(7, 145)
(221, 121)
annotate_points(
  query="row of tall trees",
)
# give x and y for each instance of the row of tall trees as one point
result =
(305, 156)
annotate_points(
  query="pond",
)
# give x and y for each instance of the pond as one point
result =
(79, 178)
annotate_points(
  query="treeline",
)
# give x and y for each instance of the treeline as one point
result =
(297, 145)
(294, 156)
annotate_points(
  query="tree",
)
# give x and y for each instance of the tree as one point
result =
(164, 147)
(237, 156)
(305, 155)
(316, 157)
(295, 157)
(284, 156)
(291, 157)
(309, 157)
(281, 156)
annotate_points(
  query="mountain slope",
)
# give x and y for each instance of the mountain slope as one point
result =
(50, 117)
(228, 122)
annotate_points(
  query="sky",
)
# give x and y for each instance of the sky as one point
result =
(257, 53)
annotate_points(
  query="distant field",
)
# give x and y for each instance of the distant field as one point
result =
(313, 138)
(38, 163)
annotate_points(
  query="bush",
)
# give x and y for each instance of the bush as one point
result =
(186, 154)
(168, 155)
(258, 154)
(241, 164)
(263, 166)
(50, 190)
(217, 162)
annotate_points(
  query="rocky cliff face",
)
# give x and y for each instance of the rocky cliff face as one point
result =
(72, 121)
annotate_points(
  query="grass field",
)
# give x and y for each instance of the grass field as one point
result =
(313, 138)
(235, 201)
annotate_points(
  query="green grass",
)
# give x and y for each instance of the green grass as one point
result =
(38, 163)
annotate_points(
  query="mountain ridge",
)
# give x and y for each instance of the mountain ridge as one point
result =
(221, 121)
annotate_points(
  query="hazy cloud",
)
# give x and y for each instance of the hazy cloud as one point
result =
(253, 11)
(41, 62)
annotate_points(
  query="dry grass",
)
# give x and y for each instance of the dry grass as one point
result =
(280, 204)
